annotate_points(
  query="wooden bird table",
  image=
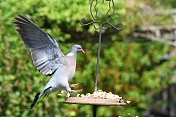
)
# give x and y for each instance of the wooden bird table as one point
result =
(99, 98)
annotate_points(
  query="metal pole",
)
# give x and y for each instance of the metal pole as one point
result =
(100, 28)
(94, 110)
(98, 58)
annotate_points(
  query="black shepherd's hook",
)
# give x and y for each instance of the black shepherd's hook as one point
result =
(101, 27)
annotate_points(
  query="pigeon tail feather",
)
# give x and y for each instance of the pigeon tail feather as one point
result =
(38, 95)
(35, 100)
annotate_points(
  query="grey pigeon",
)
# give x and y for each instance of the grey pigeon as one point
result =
(47, 57)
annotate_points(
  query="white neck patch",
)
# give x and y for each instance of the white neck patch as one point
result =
(70, 54)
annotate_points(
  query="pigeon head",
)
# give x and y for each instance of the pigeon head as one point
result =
(76, 48)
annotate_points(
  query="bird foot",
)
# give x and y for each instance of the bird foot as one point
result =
(73, 85)
(75, 91)
(68, 95)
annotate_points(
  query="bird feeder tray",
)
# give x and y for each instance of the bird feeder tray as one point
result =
(94, 101)
(97, 98)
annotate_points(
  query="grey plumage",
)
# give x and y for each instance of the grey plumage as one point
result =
(42, 47)
(47, 57)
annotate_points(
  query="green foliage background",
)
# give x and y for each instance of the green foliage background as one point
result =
(131, 70)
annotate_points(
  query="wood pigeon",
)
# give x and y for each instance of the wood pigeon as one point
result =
(47, 57)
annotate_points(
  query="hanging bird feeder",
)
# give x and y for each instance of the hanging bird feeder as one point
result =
(98, 98)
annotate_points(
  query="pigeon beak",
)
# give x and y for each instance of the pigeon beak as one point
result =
(83, 51)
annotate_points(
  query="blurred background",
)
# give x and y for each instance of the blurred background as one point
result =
(137, 63)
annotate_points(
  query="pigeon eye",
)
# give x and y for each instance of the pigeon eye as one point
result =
(79, 48)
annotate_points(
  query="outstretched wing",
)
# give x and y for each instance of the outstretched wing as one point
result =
(44, 51)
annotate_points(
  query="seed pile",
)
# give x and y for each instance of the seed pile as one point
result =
(103, 95)
(100, 94)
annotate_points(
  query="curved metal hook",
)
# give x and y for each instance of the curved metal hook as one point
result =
(109, 4)
(94, 9)
(103, 28)
(96, 13)
(86, 24)
(113, 9)
(96, 28)
(118, 27)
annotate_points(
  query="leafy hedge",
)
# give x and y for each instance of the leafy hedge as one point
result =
(131, 70)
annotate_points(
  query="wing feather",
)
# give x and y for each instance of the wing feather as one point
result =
(43, 49)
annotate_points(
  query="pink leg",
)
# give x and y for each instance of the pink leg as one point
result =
(75, 91)
(73, 85)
